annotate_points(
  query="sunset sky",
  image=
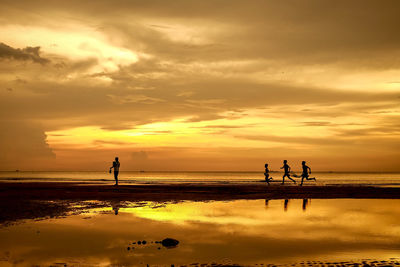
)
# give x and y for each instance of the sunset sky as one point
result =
(200, 85)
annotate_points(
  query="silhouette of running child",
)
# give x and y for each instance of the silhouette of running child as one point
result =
(306, 172)
(287, 169)
(115, 165)
(266, 174)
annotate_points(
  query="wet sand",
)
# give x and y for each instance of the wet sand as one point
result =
(168, 192)
(31, 200)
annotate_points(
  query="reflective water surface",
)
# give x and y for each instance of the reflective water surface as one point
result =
(245, 232)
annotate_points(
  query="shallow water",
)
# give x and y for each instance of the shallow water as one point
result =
(130, 177)
(245, 232)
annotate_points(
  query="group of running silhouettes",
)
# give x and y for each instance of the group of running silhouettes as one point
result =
(285, 167)
(287, 170)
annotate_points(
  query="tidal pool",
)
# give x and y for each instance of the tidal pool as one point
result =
(243, 232)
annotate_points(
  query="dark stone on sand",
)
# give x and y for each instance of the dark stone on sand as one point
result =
(128, 248)
(139, 242)
(144, 242)
(169, 242)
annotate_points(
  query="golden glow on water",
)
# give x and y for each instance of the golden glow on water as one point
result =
(243, 232)
(241, 214)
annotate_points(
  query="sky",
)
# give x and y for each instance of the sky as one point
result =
(200, 85)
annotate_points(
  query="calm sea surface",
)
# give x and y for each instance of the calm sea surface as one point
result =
(323, 178)
(246, 232)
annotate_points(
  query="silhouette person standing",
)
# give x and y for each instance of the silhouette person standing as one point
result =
(287, 169)
(266, 174)
(115, 165)
(306, 172)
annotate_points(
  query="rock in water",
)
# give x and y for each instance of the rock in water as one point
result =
(169, 242)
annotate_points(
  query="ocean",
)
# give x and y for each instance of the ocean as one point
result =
(140, 177)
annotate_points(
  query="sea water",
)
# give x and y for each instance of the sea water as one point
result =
(135, 177)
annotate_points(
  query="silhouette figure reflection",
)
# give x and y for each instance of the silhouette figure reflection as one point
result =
(306, 172)
(115, 209)
(287, 169)
(305, 203)
(285, 206)
(115, 205)
(115, 166)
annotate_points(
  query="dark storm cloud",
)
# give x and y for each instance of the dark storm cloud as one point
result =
(22, 142)
(345, 32)
(27, 53)
(318, 32)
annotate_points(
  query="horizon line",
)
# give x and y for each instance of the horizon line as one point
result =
(197, 171)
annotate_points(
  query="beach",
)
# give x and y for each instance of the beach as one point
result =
(89, 224)
(21, 200)
(273, 225)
